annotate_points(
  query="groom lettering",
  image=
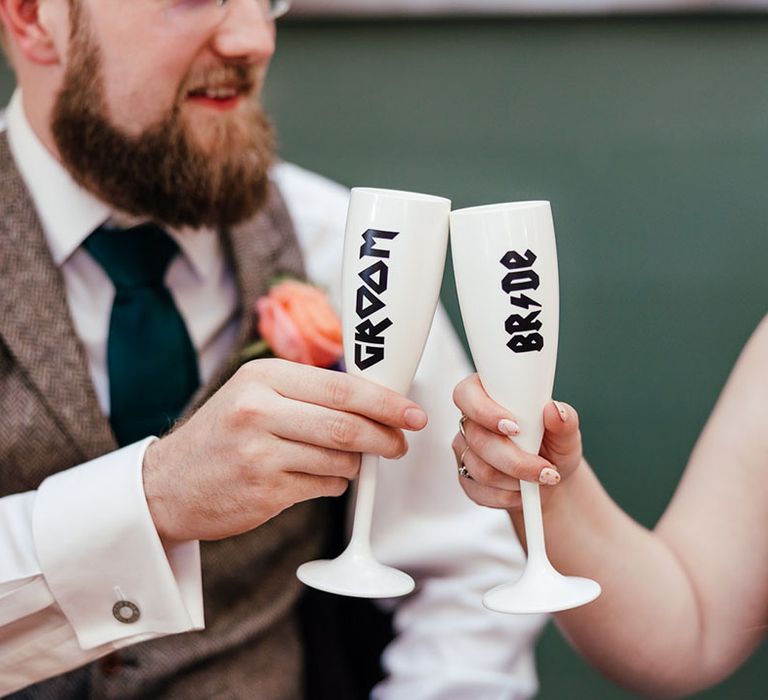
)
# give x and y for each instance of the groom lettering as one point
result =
(369, 334)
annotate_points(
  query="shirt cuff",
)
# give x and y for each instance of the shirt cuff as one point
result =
(97, 546)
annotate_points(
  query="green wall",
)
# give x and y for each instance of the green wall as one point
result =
(649, 136)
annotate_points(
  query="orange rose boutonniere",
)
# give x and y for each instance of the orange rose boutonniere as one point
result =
(297, 322)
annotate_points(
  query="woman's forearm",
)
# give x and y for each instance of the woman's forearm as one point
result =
(682, 606)
(645, 630)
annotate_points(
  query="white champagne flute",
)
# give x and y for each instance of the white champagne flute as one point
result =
(505, 263)
(394, 254)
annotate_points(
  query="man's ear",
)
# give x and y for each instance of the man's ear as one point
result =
(26, 30)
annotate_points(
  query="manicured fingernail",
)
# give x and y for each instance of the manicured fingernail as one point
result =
(415, 418)
(508, 427)
(561, 410)
(549, 477)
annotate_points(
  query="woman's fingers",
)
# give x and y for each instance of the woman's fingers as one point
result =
(501, 453)
(493, 465)
(561, 444)
(491, 497)
(562, 439)
(479, 470)
(473, 401)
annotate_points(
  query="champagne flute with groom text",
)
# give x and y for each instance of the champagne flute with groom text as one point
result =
(394, 253)
(505, 263)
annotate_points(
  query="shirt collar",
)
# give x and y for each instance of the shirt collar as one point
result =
(69, 213)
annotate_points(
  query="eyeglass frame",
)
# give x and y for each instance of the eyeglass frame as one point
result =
(281, 7)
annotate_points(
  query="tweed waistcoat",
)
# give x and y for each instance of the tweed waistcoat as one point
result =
(50, 420)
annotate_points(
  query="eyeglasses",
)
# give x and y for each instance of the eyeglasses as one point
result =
(214, 9)
(272, 8)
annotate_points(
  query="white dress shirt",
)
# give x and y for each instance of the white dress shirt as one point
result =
(59, 572)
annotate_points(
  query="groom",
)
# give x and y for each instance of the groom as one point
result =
(142, 218)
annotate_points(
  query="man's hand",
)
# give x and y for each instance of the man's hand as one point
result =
(495, 463)
(277, 433)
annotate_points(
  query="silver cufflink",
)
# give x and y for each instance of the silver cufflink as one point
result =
(126, 612)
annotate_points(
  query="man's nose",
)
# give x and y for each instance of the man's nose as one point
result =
(246, 34)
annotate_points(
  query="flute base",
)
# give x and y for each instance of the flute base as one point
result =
(356, 576)
(541, 590)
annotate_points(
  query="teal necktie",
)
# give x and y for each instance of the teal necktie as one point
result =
(151, 361)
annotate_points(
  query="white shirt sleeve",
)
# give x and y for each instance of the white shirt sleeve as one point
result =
(448, 647)
(69, 552)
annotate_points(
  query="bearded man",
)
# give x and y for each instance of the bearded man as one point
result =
(138, 187)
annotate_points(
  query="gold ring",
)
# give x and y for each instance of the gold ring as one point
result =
(462, 420)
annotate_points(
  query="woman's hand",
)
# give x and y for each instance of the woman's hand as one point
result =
(494, 464)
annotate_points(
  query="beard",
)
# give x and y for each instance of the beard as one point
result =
(163, 173)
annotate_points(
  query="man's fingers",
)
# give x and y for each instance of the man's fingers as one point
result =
(472, 400)
(332, 429)
(317, 461)
(340, 391)
(305, 487)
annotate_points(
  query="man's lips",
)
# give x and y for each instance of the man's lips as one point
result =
(222, 104)
(219, 97)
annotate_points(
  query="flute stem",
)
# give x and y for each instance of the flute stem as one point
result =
(360, 543)
(534, 523)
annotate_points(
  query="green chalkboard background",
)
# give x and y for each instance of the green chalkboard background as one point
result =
(650, 137)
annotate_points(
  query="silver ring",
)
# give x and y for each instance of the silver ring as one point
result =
(463, 471)
(462, 420)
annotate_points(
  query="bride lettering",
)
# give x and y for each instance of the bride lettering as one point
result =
(523, 329)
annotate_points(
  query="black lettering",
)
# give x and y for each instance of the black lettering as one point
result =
(533, 342)
(514, 261)
(523, 301)
(374, 356)
(376, 276)
(523, 328)
(369, 246)
(367, 303)
(519, 281)
(370, 333)
(517, 324)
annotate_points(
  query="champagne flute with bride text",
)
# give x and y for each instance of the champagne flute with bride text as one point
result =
(505, 263)
(394, 253)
